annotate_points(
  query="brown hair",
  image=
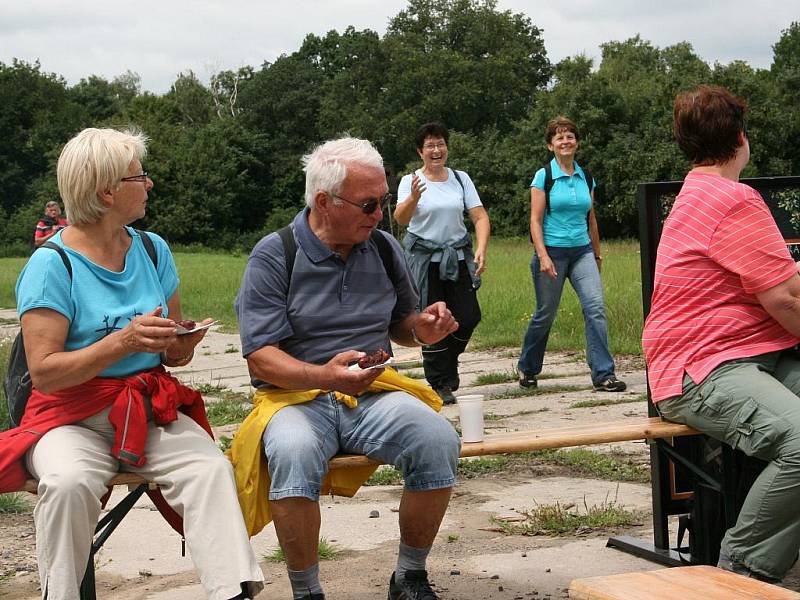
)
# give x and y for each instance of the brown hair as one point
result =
(559, 124)
(707, 123)
(433, 129)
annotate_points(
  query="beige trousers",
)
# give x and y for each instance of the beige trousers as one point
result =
(73, 465)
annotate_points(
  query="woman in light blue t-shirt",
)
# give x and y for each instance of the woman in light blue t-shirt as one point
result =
(99, 307)
(567, 242)
(432, 202)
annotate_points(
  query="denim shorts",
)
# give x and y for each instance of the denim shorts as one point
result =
(392, 427)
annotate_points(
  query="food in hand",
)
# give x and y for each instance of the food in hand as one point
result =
(378, 357)
(187, 324)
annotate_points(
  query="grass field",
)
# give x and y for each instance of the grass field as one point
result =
(209, 283)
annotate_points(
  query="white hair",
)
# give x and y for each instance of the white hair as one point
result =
(93, 161)
(326, 166)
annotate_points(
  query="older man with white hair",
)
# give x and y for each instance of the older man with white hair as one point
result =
(304, 321)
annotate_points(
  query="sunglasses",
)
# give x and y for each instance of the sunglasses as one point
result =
(369, 206)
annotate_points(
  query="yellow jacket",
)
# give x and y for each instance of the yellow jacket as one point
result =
(250, 464)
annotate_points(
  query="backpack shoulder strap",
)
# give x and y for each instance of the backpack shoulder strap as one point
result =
(62, 254)
(386, 253)
(149, 246)
(589, 179)
(463, 189)
(548, 185)
(289, 250)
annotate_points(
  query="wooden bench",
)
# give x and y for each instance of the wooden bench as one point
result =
(682, 583)
(629, 429)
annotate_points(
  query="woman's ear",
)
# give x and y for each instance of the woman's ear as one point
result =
(106, 197)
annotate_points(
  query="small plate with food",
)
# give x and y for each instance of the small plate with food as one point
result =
(188, 326)
(377, 360)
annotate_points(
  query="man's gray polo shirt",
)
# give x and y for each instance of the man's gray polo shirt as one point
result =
(332, 306)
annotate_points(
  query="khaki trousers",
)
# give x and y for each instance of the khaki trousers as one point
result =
(73, 465)
(752, 404)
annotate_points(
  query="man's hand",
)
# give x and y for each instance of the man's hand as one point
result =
(343, 379)
(434, 323)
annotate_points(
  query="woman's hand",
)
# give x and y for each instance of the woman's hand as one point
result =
(417, 187)
(149, 333)
(547, 267)
(480, 262)
(180, 352)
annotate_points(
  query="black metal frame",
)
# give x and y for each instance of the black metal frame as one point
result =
(683, 450)
(105, 527)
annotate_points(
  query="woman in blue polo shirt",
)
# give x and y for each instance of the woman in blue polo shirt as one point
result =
(565, 236)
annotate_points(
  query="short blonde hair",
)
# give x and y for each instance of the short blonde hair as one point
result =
(93, 161)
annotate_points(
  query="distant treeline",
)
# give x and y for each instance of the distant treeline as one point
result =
(225, 157)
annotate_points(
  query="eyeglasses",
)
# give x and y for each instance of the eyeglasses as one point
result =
(369, 206)
(435, 146)
(142, 177)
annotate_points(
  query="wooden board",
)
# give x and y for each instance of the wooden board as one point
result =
(679, 583)
(640, 428)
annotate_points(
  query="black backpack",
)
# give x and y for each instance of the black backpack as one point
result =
(290, 251)
(548, 184)
(18, 384)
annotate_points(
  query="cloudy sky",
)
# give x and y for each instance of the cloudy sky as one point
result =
(159, 39)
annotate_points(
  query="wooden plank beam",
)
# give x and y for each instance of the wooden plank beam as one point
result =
(644, 428)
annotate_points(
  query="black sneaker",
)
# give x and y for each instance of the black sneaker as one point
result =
(611, 384)
(413, 586)
(446, 394)
(527, 381)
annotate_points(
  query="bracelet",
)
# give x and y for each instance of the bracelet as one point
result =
(178, 362)
(414, 337)
(598, 257)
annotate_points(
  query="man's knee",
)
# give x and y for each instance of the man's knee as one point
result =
(431, 458)
(296, 464)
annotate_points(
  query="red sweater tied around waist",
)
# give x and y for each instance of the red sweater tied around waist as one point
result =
(126, 397)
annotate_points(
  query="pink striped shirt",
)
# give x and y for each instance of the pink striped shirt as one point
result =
(720, 246)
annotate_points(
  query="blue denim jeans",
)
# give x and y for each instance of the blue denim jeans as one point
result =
(578, 265)
(392, 427)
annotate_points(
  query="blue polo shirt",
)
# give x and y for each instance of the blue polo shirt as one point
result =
(570, 200)
(330, 306)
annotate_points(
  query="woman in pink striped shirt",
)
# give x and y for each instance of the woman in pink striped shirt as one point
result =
(725, 318)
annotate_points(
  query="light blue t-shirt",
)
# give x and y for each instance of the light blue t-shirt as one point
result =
(97, 301)
(439, 216)
(570, 200)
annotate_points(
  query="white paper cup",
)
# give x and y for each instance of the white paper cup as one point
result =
(470, 414)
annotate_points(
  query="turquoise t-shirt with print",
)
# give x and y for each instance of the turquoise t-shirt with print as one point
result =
(97, 301)
(565, 226)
